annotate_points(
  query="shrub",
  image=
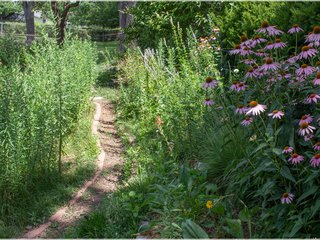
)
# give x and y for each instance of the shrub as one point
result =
(40, 106)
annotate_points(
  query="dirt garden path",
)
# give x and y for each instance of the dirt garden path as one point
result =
(105, 179)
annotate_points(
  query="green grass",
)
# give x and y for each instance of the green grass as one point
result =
(106, 45)
(78, 165)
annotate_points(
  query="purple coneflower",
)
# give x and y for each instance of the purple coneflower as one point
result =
(295, 29)
(247, 121)
(269, 65)
(304, 70)
(316, 81)
(261, 53)
(287, 150)
(241, 86)
(312, 98)
(277, 44)
(305, 129)
(245, 51)
(308, 137)
(250, 61)
(305, 119)
(235, 50)
(207, 102)
(251, 73)
(269, 30)
(287, 198)
(241, 109)
(314, 44)
(276, 114)
(315, 35)
(316, 147)
(233, 86)
(295, 158)
(210, 83)
(307, 52)
(257, 40)
(284, 75)
(292, 59)
(315, 160)
(256, 108)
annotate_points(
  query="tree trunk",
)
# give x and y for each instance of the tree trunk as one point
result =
(61, 18)
(29, 16)
(125, 20)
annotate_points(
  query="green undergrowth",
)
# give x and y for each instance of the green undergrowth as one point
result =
(78, 165)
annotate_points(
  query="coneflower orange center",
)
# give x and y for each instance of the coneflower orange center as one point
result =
(253, 104)
(304, 125)
(317, 156)
(237, 46)
(264, 24)
(250, 70)
(248, 118)
(305, 48)
(257, 37)
(286, 148)
(316, 29)
(295, 25)
(243, 38)
(275, 111)
(318, 75)
(241, 106)
(269, 43)
(246, 48)
(209, 79)
(268, 61)
(304, 65)
(207, 99)
(285, 195)
(318, 143)
(241, 84)
(312, 95)
(317, 63)
(278, 40)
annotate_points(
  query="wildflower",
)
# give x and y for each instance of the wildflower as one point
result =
(276, 114)
(256, 108)
(314, 44)
(287, 198)
(316, 147)
(241, 86)
(287, 149)
(245, 51)
(269, 30)
(261, 53)
(305, 129)
(209, 204)
(253, 138)
(295, 29)
(234, 85)
(269, 65)
(305, 119)
(292, 59)
(315, 160)
(235, 50)
(251, 73)
(249, 61)
(236, 71)
(295, 158)
(284, 76)
(308, 137)
(247, 121)
(210, 83)
(304, 70)
(307, 52)
(277, 44)
(315, 35)
(316, 81)
(208, 102)
(312, 98)
(257, 40)
(241, 109)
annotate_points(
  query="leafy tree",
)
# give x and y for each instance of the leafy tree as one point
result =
(104, 14)
(7, 8)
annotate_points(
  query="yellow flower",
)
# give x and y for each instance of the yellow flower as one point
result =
(209, 204)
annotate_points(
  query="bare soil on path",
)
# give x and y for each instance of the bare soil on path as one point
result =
(105, 180)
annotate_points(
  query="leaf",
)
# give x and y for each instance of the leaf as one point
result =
(310, 191)
(244, 215)
(295, 229)
(192, 230)
(218, 209)
(285, 172)
(277, 151)
(234, 227)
